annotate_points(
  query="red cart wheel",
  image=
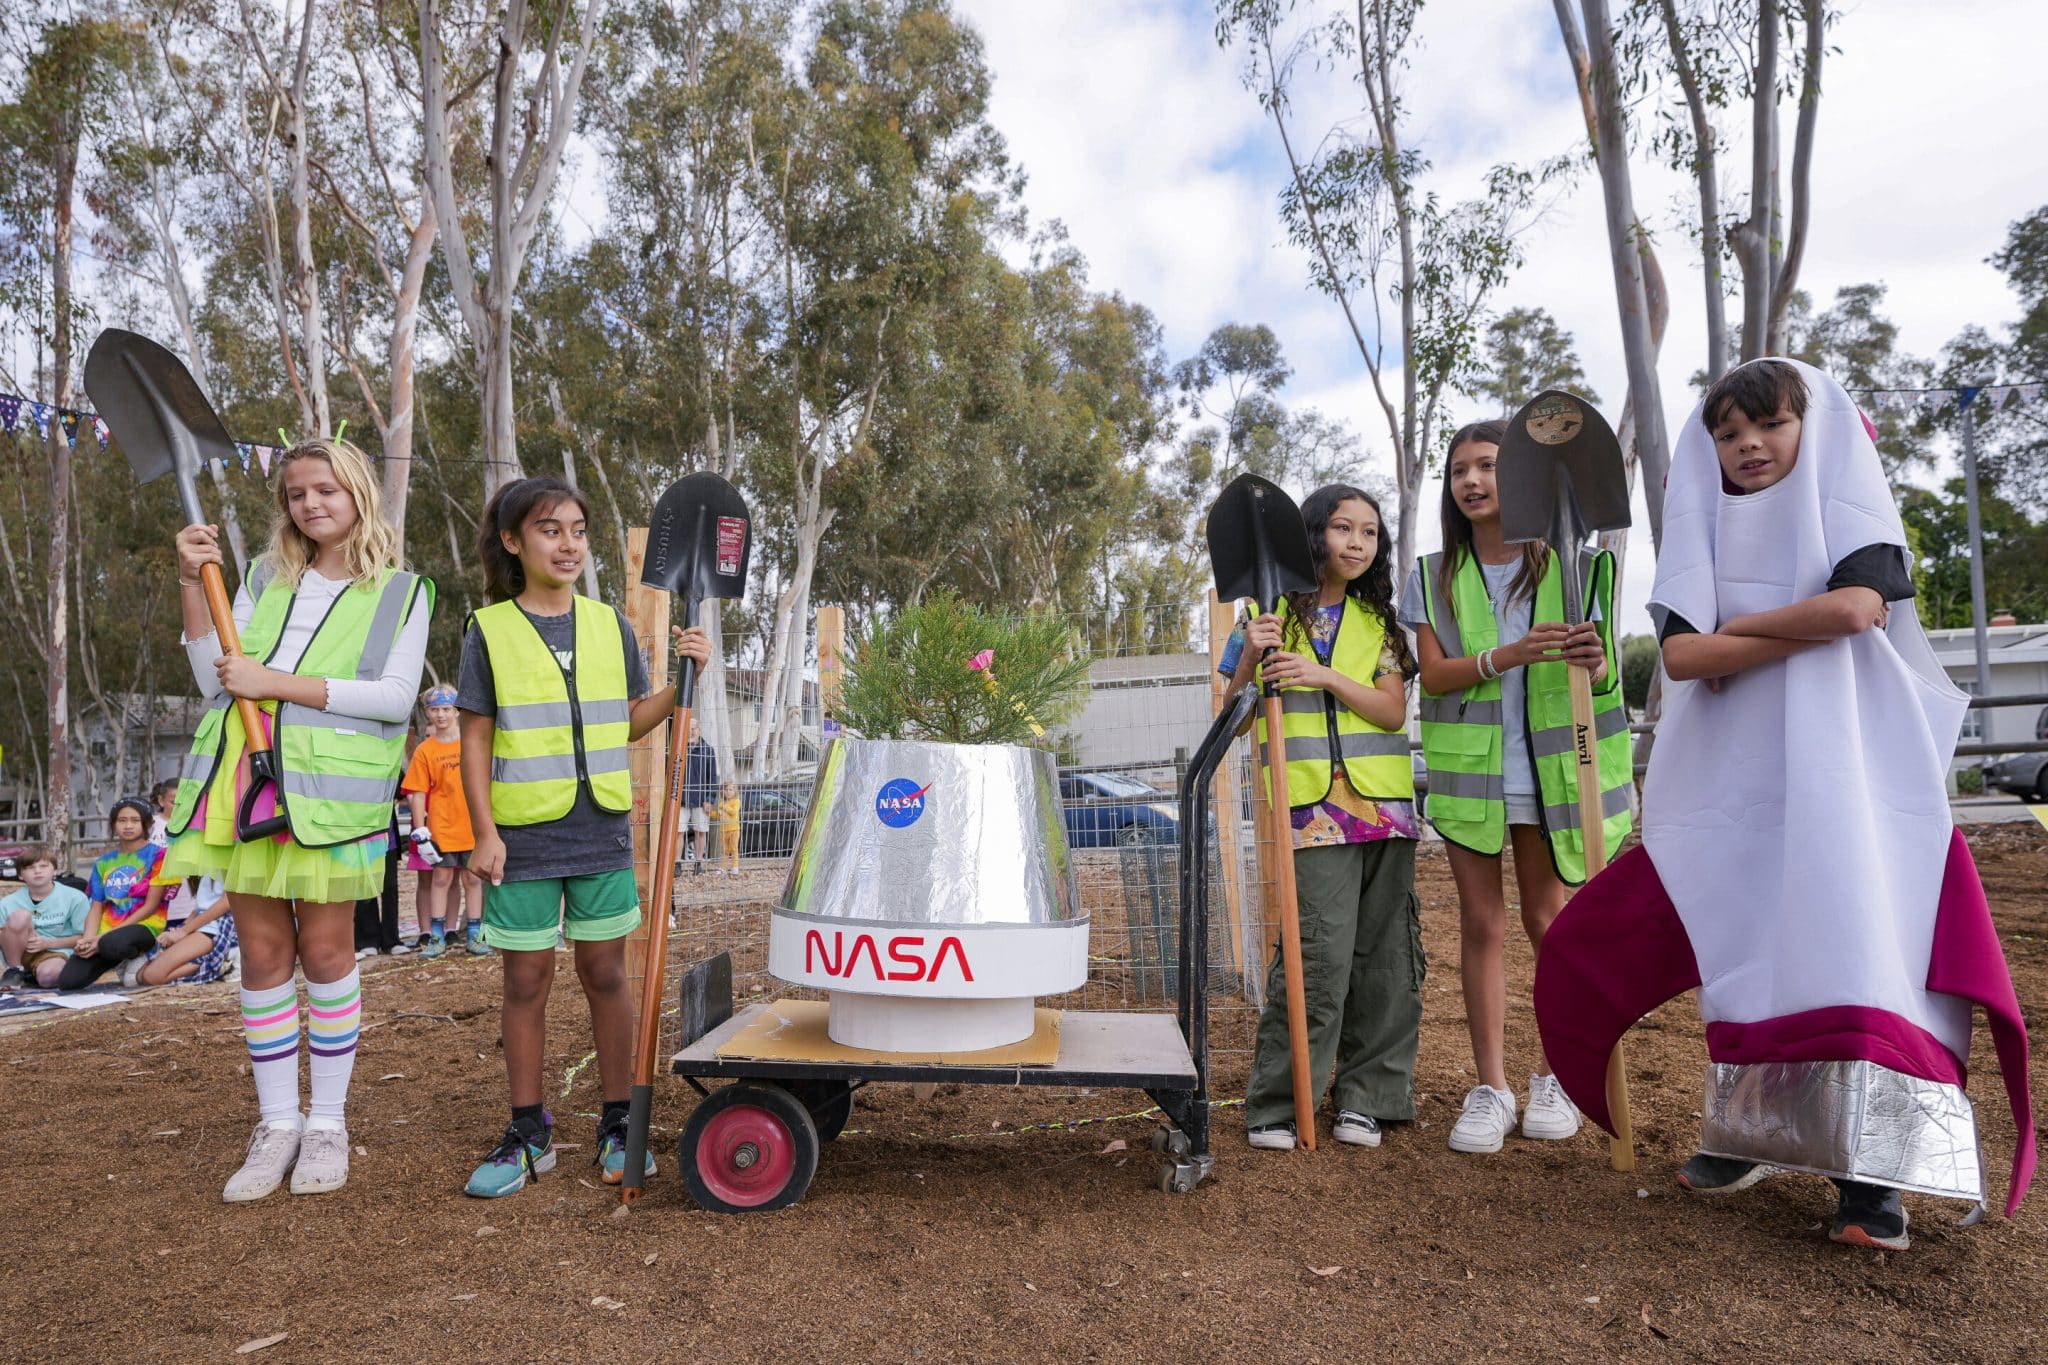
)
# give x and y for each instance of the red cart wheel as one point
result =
(830, 1103)
(749, 1148)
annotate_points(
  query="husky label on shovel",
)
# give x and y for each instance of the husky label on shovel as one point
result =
(1555, 420)
(900, 802)
(732, 544)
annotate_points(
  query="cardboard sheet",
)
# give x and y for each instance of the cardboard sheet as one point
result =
(794, 1031)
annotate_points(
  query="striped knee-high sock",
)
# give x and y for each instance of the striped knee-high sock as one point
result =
(334, 1016)
(270, 1022)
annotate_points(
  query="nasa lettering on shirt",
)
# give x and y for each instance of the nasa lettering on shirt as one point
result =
(900, 802)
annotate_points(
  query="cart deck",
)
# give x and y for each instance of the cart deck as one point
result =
(1137, 1051)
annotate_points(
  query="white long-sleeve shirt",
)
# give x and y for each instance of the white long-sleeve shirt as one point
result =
(390, 698)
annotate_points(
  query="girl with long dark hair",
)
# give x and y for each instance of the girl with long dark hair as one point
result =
(1342, 664)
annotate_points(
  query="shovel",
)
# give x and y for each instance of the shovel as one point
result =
(1259, 549)
(164, 425)
(1560, 478)
(697, 549)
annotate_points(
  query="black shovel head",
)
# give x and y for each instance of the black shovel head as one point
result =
(700, 540)
(155, 410)
(1560, 476)
(1258, 546)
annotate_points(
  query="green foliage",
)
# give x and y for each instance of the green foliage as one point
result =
(2015, 556)
(1970, 781)
(1526, 353)
(909, 674)
(1638, 665)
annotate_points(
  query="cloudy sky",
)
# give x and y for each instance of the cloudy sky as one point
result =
(1139, 136)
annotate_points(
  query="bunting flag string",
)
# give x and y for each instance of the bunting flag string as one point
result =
(1987, 398)
(15, 409)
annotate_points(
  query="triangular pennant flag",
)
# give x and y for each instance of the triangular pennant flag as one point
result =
(39, 417)
(10, 409)
(242, 449)
(99, 429)
(69, 421)
(263, 457)
(2030, 393)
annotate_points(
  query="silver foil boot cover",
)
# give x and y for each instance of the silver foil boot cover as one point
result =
(1854, 1120)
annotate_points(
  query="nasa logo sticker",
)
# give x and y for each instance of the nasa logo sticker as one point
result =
(900, 802)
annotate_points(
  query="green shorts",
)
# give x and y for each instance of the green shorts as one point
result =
(521, 917)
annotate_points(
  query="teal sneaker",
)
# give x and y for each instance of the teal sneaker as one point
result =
(516, 1159)
(611, 1152)
(435, 945)
(477, 946)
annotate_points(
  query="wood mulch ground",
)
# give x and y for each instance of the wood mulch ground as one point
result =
(956, 1227)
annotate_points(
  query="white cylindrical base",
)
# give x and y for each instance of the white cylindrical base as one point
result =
(894, 1023)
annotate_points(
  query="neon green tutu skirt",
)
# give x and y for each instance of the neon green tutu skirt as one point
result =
(278, 867)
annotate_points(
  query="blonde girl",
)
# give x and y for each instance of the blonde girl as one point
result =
(334, 635)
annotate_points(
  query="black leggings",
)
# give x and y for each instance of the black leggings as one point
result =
(116, 947)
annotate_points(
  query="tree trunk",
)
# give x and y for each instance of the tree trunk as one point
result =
(419, 254)
(305, 270)
(1785, 277)
(57, 796)
(1706, 179)
(1593, 65)
(1755, 237)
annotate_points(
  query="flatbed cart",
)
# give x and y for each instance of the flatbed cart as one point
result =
(753, 1146)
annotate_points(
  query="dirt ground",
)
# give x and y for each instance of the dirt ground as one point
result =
(966, 1226)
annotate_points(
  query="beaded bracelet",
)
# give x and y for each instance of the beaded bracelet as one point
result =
(1487, 672)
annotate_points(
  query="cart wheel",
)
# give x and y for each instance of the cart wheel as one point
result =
(1171, 1141)
(830, 1103)
(1163, 1181)
(749, 1148)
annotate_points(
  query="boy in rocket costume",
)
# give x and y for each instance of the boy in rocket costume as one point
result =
(1799, 863)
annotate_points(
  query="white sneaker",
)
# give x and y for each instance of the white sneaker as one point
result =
(271, 1151)
(1549, 1114)
(1488, 1118)
(131, 971)
(323, 1161)
(362, 953)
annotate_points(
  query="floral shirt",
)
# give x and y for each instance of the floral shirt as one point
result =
(1342, 816)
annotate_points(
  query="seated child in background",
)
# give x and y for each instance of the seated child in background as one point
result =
(127, 911)
(728, 812)
(203, 948)
(39, 923)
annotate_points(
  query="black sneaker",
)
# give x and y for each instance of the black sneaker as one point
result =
(1720, 1174)
(1870, 1216)
(1272, 1137)
(1359, 1130)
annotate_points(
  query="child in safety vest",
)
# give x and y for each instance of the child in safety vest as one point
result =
(334, 635)
(1489, 629)
(442, 839)
(1342, 664)
(553, 688)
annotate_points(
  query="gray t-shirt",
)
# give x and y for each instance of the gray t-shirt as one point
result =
(1512, 616)
(586, 839)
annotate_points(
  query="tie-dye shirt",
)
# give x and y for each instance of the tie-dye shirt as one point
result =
(122, 881)
(1342, 816)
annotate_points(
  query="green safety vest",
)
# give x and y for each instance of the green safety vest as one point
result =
(339, 773)
(557, 728)
(1318, 728)
(1461, 733)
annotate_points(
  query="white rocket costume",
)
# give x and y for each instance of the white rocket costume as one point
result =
(1799, 862)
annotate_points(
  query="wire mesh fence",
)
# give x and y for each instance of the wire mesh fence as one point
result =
(1122, 758)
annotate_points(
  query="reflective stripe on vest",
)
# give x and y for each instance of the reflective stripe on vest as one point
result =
(556, 729)
(1461, 733)
(339, 773)
(1316, 727)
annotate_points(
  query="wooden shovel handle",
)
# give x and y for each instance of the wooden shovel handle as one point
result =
(660, 894)
(222, 609)
(1288, 908)
(1621, 1148)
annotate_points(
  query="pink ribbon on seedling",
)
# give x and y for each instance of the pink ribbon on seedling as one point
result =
(981, 663)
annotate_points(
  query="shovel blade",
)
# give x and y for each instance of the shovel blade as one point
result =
(1258, 546)
(1561, 475)
(700, 540)
(152, 406)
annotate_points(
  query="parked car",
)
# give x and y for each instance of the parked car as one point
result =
(2024, 775)
(1109, 809)
(771, 818)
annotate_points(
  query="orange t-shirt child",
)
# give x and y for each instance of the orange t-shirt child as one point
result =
(436, 773)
